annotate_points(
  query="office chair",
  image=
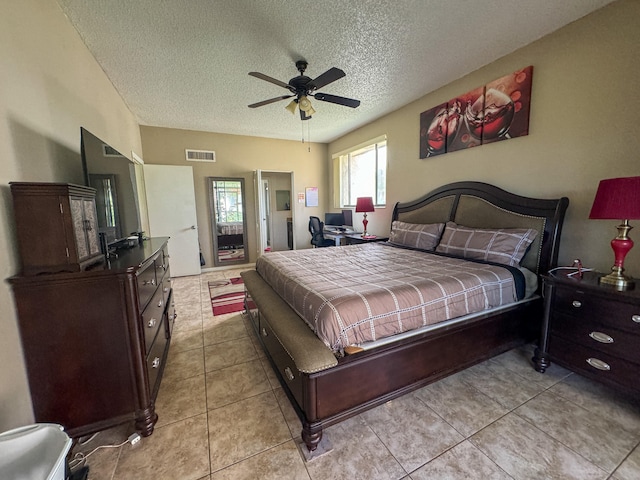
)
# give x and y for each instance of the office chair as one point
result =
(317, 237)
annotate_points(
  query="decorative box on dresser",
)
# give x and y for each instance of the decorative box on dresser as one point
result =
(591, 329)
(56, 226)
(95, 342)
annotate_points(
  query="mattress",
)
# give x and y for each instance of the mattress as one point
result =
(361, 293)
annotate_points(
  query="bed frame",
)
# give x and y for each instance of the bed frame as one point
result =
(325, 390)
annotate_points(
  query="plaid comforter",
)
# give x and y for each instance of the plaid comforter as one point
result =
(359, 293)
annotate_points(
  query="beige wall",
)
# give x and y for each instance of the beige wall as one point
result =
(583, 128)
(240, 156)
(51, 85)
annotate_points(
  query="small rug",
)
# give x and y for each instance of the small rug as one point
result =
(227, 296)
(231, 255)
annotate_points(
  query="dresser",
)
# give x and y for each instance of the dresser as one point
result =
(56, 226)
(95, 342)
(591, 329)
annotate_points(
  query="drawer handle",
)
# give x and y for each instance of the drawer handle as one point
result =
(635, 318)
(149, 282)
(172, 317)
(159, 303)
(601, 337)
(264, 332)
(156, 362)
(599, 364)
(152, 323)
(289, 374)
(165, 289)
(576, 303)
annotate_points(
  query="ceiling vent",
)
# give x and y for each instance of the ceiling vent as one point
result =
(201, 156)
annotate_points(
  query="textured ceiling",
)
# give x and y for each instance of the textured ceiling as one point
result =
(184, 63)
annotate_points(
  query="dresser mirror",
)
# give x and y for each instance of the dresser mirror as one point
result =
(228, 220)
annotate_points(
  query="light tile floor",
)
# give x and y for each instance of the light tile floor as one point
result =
(223, 415)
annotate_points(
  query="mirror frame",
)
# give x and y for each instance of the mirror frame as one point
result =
(214, 224)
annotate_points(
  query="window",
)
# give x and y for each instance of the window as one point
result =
(363, 173)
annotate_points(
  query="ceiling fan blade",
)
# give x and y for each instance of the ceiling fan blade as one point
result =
(347, 102)
(326, 78)
(262, 76)
(271, 100)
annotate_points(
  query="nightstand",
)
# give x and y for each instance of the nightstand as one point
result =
(592, 330)
(357, 238)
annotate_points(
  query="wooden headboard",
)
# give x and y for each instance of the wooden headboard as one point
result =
(481, 205)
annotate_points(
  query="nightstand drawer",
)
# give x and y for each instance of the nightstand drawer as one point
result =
(575, 302)
(598, 365)
(597, 336)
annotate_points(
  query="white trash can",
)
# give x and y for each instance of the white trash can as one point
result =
(34, 452)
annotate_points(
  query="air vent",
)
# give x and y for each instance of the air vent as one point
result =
(201, 156)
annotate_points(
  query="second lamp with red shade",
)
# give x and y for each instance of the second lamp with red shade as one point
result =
(618, 199)
(364, 205)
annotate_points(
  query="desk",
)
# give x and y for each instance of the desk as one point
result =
(340, 238)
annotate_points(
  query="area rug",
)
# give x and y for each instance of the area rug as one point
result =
(227, 296)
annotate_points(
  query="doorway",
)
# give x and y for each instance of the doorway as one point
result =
(275, 218)
(228, 220)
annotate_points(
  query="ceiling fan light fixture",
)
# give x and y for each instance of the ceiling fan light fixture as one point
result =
(305, 104)
(292, 106)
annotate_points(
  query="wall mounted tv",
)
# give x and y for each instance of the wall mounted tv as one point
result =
(114, 177)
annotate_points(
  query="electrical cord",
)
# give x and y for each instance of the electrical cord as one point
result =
(79, 459)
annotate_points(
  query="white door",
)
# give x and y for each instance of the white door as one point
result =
(171, 202)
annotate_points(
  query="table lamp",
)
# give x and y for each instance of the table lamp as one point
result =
(618, 198)
(364, 205)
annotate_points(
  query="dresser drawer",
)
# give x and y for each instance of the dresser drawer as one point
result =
(166, 284)
(595, 364)
(152, 318)
(616, 314)
(155, 361)
(146, 285)
(597, 336)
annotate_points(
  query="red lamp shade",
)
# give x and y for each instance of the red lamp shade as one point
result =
(618, 198)
(364, 205)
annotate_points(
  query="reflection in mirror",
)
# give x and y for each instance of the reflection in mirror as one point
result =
(228, 220)
(115, 179)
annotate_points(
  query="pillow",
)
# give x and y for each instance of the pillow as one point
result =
(416, 235)
(505, 245)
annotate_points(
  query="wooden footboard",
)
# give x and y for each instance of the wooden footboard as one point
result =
(325, 390)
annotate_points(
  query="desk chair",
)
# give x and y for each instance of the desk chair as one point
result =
(317, 237)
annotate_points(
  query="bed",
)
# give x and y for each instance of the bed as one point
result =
(375, 356)
(230, 235)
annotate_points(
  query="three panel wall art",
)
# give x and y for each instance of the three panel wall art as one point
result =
(496, 111)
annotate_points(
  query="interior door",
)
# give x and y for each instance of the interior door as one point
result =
(171, 204)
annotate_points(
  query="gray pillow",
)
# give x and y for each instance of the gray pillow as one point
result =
(502, 245)
(416, 235)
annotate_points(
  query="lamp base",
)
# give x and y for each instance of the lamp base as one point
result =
(618, 280)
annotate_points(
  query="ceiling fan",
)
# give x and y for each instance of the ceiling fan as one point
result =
(303, 87)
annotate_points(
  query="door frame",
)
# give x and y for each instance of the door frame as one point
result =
(260, 208)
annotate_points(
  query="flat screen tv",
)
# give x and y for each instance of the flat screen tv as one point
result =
(114, 177)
